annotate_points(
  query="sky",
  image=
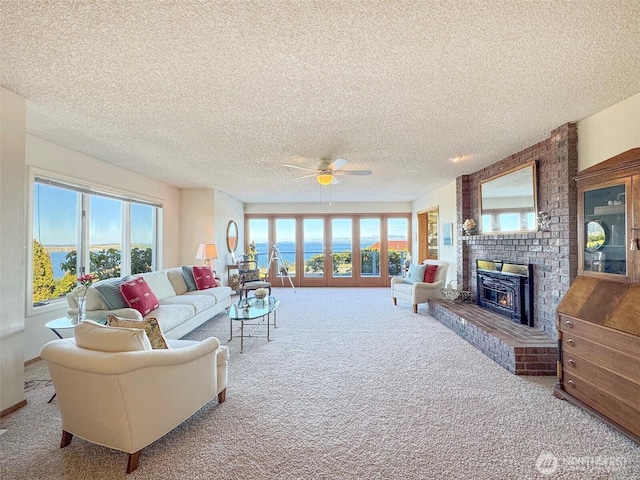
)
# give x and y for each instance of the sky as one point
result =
(56, 217)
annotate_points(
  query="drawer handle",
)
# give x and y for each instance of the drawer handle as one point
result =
(569, 323)
(571, 342)
(571, 362)
(571, 384)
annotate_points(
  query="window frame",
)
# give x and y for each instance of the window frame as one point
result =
(86, 189)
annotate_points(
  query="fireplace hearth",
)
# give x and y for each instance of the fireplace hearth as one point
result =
(507, 289)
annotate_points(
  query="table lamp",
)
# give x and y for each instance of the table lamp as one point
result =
(207, 252)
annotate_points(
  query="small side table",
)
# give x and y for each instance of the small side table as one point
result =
(63, 323)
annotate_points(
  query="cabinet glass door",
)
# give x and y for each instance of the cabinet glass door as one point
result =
(605, 230)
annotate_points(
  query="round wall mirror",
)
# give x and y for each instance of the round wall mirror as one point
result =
(232, 236)
(596, 236)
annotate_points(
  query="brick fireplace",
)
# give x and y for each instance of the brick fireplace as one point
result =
(551, 259)
(554, 253)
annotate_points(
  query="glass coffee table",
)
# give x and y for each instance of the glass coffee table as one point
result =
(253, 312)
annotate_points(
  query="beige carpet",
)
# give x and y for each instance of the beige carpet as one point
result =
(351, 387)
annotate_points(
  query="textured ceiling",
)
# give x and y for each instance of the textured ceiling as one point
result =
(221, 94)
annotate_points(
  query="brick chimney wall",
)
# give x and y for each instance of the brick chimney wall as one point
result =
(554, 254)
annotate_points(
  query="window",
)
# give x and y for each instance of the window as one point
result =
(78, 230)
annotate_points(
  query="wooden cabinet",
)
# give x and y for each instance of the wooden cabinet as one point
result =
(598, 320)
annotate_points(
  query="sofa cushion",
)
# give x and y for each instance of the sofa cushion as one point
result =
(198, 302)
(139, 296)
(219, 293)
(93, 336)
(150, 326)
(416, 274)
(170, 316)
(204, 278)
(187, 274)
(430, 273)
(177, 280)
(109, 290)
(93, 299)
(159, 283)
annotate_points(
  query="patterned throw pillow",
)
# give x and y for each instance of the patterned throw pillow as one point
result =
(204, 278)
(138, 295)
(251, 276)
(150, 326)
(430, 273)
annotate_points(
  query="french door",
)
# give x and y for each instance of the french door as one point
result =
(332, 250)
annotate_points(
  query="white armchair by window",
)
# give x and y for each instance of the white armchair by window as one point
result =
(414, 289)
(117, 392)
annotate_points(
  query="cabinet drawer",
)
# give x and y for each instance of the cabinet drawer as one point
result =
(621, 341)
(614, 361)
(600, 400)
(617, 386)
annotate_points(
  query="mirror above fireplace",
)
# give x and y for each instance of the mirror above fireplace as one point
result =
(508, 201)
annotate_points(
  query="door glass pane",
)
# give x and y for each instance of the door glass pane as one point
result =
(605, 230)
(432, 235)
(370, 247)
(313, 238)
(56, 213)
(341, 247)
(286, 241)
(258, 236)
(105, 237)
(142, 228)
(397, 245)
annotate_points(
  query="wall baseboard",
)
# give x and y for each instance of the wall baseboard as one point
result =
(15, 407)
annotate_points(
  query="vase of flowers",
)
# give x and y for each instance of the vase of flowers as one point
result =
(83, 281)
(470, 227)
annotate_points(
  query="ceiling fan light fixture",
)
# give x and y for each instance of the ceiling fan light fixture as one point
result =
(324, 178)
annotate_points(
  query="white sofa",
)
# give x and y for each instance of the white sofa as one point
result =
(180, 310)
(420, 292)
(130, 395)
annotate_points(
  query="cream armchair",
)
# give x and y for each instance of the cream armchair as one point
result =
(419, 292)
(128, 399)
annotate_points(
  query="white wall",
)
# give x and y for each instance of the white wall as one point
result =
(12, 248)
(204, 219)
(445, 199)
(196, 222)
(227, 208)
(64, 163)
(609, 132)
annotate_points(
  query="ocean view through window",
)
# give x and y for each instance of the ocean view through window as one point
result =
(326, 250)
(77, 230)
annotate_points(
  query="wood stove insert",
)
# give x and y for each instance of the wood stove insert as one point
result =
(506, 288)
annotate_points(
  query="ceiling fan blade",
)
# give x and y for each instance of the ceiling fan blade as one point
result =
(301, 168)
(306, 176)
(337, 164)
(334, 180)
(353, 172)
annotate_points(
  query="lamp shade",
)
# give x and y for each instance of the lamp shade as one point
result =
(207, 251)
(324, 178)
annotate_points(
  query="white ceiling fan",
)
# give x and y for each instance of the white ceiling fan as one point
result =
(326, 172)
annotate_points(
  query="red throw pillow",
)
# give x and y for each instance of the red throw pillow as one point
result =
(430, 273)
(138, 295)
(204, 278)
